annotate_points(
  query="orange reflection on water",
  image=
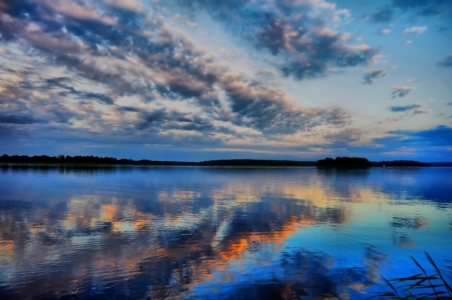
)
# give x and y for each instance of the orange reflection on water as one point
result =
(7, 250)
(108, 212)
(358, 286)
(235, 249)
(140, 223)
(317, 194)
(288, 293)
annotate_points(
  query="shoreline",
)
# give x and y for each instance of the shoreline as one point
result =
(95, 161)
(94, 165)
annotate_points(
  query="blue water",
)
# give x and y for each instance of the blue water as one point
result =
(219, 233)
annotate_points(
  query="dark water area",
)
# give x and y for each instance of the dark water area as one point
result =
(218, 233)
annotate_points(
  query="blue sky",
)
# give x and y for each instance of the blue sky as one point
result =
(196, 80)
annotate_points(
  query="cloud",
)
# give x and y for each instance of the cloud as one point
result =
(158, 87)
(78, 10)
(431, 144)
(418, 111)
(426, 8)
(174, 120)
(18, 119)
(416, 30)
(56, 42)
(144, 81)
(371, 75)
(438, 9)
(446, 62)
(64, 83)
(401, 91)
(89, 95)
(30, 99)
(181, 20)
(297, 32)
(129, 5)
(385, 31)
(403, 108)
(383, 15)
(437, 137)
(449, 103)
(345, 137)
(423, 7)
(40, 38)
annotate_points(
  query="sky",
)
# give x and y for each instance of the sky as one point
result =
(203, 79)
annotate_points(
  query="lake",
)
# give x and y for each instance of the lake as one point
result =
(219, 233)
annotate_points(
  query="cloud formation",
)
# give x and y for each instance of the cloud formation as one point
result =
(299, 32)
(346, 137)
(129, 5)
(418, 111)
(446, 62)
(129, 80)
(425, 8)
(401, 91)
(383, 15)
(140, 72)
(18, 119)
(403, 108)
(439, 136)
(416, 30)
(85, 11)
(370, 76)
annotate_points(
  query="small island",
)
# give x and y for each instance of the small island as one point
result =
(358, 162)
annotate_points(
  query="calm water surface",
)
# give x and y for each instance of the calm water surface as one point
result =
(218, 233)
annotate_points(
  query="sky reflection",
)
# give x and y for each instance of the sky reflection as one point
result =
(217, 233)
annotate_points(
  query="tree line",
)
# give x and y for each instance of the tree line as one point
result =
(364, 162)
(96, 160)
(89, 159)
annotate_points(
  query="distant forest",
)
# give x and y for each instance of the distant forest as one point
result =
(328, 162)
(364, 162)
(95, 160)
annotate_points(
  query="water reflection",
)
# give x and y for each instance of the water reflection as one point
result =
(216, 233)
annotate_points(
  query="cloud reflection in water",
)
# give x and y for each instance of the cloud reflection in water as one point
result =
(214, 233)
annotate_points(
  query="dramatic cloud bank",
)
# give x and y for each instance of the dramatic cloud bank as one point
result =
(299, 32)
(268, 77)
(138, 58)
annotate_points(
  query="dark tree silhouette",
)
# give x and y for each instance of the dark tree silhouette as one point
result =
(344, 162)
(95, 160)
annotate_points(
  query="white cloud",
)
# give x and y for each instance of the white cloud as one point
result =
(416, 30)
(418, 111)
(78, 11)
(130, 5)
